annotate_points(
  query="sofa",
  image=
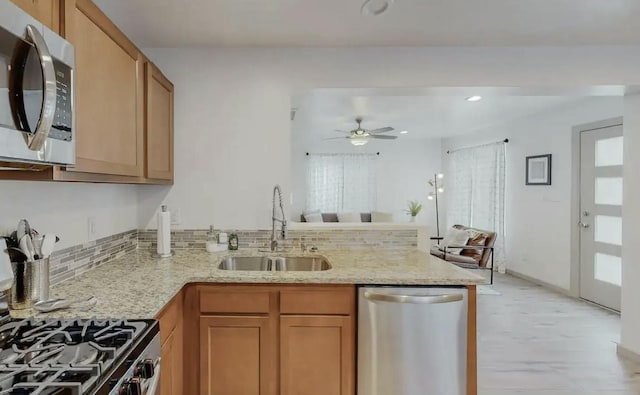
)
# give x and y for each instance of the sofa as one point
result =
(333, 217)
(475, 254)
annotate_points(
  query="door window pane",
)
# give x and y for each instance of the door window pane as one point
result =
(609, 152)
(608, 268)
(608, 229)
(609, 190)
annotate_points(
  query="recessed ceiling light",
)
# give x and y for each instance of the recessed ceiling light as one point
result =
(404, 132)
(375, 7)
(474, 98)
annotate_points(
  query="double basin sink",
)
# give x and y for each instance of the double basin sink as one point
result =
(279, 264)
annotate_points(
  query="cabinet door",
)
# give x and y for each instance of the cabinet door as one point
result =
(177, 358)
(46, 11)
(238, 355)
(166, 367)
(159, 124)
(317, 355)
(172, 364)
(109, 94)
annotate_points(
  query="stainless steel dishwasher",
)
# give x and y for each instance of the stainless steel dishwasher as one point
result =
(412, 341)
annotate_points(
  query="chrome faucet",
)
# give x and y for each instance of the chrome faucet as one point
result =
(283, 221)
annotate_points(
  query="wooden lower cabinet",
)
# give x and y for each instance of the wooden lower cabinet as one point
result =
(272, 340)
(172, 347)
(317, 355)
(238, 356)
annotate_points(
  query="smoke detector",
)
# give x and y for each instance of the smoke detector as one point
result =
(375, 7)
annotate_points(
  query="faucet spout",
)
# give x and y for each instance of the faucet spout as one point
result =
(277, 197)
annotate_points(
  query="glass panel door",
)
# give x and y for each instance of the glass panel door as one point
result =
(601, 215)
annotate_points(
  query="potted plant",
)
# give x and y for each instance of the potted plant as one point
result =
(414, 209)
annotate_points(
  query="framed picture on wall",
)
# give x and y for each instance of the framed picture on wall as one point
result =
(539, 170)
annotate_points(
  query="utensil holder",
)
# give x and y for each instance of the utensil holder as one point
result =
(30, 284)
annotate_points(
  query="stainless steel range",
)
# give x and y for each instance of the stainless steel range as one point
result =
(79, 357)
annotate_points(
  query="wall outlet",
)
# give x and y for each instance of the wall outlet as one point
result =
(176, 217)
(92, 228)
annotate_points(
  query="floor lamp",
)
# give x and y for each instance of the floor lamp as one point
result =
(437, 188)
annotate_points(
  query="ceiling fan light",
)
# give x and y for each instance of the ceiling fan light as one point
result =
(359, 141)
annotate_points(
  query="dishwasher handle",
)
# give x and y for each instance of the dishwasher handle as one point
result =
(413, 299)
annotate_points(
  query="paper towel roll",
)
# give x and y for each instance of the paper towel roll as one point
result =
(164, 233)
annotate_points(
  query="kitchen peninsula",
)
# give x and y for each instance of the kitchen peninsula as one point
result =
(201, 307)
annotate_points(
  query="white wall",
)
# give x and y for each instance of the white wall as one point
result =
(630, 338)
(538, 218)
(232, 108)
(403, 168)
(64, 208)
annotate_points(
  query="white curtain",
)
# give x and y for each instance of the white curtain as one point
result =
(476, 194)
(341, 183)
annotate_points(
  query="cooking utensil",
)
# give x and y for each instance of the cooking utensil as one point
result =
(22, 229)
(48, 244)
(37, 244)
(26, 245)
(16, 254)
(83, 304)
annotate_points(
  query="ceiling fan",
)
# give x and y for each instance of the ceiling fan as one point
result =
(360, 136)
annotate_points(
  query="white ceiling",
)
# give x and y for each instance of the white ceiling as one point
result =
(423, 117)
(174, 23)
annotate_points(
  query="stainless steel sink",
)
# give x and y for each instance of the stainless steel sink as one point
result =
(250, 263)
(281, 264)
(301, 263)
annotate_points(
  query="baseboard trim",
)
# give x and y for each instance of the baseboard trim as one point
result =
(628, 354)
(540, 282)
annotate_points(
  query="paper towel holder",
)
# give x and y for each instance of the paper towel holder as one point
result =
(169, 255)
(171, 252)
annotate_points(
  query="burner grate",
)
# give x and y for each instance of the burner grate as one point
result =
(43, 357)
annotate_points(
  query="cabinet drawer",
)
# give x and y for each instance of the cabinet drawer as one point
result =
(328, 301)
(236, 301)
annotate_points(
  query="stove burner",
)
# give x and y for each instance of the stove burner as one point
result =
(47, 357)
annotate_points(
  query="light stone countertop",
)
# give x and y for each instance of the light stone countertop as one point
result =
(138, 286)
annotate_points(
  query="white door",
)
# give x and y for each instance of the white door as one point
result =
(601, 215)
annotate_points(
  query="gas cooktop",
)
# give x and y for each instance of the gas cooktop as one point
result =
(76, 357)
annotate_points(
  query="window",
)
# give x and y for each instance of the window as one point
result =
(341, 183)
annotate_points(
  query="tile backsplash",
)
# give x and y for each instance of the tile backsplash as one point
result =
(70, 262)
(320, 238)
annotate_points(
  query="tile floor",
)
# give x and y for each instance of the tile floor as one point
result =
(533, 341)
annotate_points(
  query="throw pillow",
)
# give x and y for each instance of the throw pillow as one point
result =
(476, 238)
(316, 217)
(379, 216)
(349, 217)
(455, 237)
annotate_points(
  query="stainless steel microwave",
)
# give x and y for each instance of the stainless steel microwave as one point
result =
(37, 122)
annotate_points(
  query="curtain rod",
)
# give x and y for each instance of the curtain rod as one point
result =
(377, 153)
(477, 146)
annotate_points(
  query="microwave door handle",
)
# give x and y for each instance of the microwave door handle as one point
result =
(36, 140)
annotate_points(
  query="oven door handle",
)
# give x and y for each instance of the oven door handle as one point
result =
(153, 388)
(36, 140)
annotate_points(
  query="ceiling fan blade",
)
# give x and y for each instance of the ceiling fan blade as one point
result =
(341, 131)
(381, 137)
(381, 130)
(338, 138)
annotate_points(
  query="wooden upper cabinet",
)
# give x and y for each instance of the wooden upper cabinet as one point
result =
(159, 124)
(109, 94)
(46, 11)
